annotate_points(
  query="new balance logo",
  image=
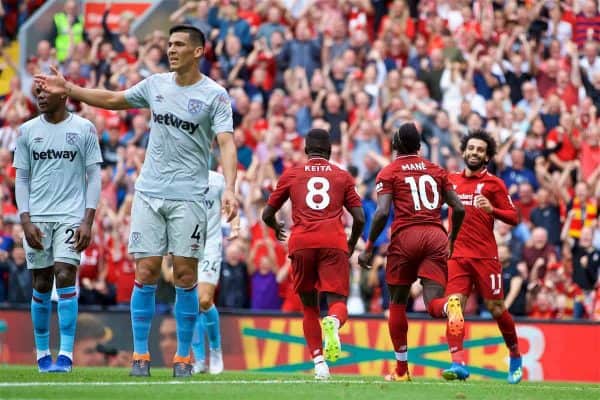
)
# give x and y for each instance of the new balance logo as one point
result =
(169, 119)
(54, 155)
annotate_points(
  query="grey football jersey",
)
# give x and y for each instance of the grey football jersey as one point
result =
(184, 123)
(56, 156)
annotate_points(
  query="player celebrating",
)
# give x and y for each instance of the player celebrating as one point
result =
(318, 248)
(475, 257)
(208, 276)
(56, 154)
(419, 247)
(168, 216)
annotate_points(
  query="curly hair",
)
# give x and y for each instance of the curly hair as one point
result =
(480, 134)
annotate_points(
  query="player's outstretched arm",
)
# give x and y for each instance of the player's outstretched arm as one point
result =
(458, 214)
(229, 165)
(384, 201)
(358, 223)
(268, 217)
(95, 97)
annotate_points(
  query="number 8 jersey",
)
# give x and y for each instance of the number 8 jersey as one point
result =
(417, 187)
(318, 191)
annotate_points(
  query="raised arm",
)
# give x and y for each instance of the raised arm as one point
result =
(95, 97)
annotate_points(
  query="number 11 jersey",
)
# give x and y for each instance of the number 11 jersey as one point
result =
(417, 187)
(319, 191)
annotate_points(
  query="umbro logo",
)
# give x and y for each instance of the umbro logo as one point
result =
(38, 140)
(159, 98)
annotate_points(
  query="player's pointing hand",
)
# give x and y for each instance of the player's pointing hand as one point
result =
(55, 83)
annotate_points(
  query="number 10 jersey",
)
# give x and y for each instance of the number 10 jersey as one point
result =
(319, 191)
(417, 187)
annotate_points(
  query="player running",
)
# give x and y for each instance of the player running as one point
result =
(209, 269)
(168, 216)
(318, 246)
(57, 188)
(419, 246)
(475, 257)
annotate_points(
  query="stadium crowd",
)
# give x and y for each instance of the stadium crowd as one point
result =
(526, 71)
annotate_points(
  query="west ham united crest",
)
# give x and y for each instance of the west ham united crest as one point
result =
(195, 106)
(136, 237)
(72, 137)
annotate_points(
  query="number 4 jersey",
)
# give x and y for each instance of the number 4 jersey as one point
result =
(318, 191)
(417, 187)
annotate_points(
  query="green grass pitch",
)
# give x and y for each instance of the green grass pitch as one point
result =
(114, 384)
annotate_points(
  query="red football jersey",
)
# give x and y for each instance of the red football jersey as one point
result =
(476, 237)
(318, 191)
(417, 187)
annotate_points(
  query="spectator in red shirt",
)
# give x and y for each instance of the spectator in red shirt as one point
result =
(525, 203)
(563, 142)
(538, 253)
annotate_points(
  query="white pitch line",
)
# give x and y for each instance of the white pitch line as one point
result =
(274, 382)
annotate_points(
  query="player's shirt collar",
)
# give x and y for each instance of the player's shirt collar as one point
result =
(318, 159)
(478, 175)
(402, 157)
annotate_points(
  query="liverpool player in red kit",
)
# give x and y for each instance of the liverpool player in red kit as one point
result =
(420, 246)
(475, 257)
(318, 247)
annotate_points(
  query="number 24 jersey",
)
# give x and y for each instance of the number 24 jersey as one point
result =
(417, 187)
(319, 191)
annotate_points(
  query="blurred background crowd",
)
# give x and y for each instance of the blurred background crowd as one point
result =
(526, 71)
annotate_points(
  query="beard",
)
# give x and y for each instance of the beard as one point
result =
(476, 166)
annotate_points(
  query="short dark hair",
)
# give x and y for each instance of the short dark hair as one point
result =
(407, 139)
(317, 142)
(480, 134)
(196, 35)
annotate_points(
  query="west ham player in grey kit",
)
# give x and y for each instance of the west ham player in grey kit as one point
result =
(168, 216)
(57, 189)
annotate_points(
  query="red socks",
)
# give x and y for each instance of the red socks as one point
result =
(509, 333)
(339, 310)
(398, 326)
(312, 331)
(436, 307)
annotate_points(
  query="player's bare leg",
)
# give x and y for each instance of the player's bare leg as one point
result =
(398, 327)
(185, 278)
(506, 324)
(313, 334)
(147, 272)
(337, 317)
(206, 293)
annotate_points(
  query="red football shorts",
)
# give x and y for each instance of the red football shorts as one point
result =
(484, 273)
(418, 251)
(326, 270)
